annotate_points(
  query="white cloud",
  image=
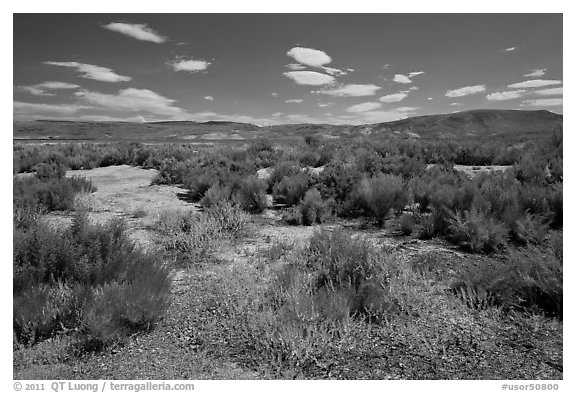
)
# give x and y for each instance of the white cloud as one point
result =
(277, 114)
(134, 100)
(351, 90)
(407, 109)
(26, 110)
(534, 83)
(294, 100)
(34, 90)
(536, 73)
(90, 71)
(310, 57)
(555, 91)
(505, 95)
(334, 71)
(310, 78)
(325, 104)
(296, 66)
(396, 97)
(510, 49)
(40, 88)
(430, 98)
(364, 107)
(544, 102)
(456, 104)
(382, 116)
(399, 78)
(415, 73)
(52, 85)
(189, 65)
(140, 32)
(209, 98)
(386, 66)
(274, 94)
(465, 91)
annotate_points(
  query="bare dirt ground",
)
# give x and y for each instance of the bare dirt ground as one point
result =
(126, 192)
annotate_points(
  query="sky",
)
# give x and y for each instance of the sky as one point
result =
(283, 68)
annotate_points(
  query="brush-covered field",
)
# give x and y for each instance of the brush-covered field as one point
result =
(395, 259)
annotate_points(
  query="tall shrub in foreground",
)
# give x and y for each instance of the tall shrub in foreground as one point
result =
(381, 194)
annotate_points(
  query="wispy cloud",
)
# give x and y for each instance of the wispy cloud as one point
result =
(396, 97)
(310, 78)
(26, 110)
(296, 66)
(537, 72)
(91, 71)
(534, 83)
(209, 98)
(555, 91)
(334, 71)
(133, 100)
(310, 57)
(544, 102)
(364, 107)
(294, 101)
(189, 65)
(40, 88)
(510, 49)
(351, 90)
(505, 95)
(465, 91)
(138, 31)
(274, 94)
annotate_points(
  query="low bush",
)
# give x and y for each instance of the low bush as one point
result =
(64, 280)
(313, 208)
(407, 223)
(474, 231)
(379, 195)
(251, 195)
(291, 189)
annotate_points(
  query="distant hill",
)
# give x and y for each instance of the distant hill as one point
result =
(474, 123)
(483, 123)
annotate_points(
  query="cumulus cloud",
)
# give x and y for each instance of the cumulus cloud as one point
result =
(140, 32)
(133, 100)
(364, 107)
(544, 102)
(351, 90)
(189, 65)
(396, 97)
(310, 57)
(510, 49)
(209, 98)
(536, 73)
(555, 91)
(534, 83)
(90, 71)
(310, 78)
(399, 78)
(505, 95)
(294, 101)
(465, 91)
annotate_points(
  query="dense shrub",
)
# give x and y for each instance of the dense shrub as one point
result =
(475, 232)
(407, 223)
(291, 189)
(66, 279)
(251, 195)
(313, 208)
(381, 194)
